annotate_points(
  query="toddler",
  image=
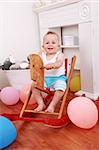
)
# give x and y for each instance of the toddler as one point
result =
(54, 72)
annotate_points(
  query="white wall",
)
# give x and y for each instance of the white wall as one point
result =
(19, 34)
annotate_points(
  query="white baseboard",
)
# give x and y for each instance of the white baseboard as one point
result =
(92, 96)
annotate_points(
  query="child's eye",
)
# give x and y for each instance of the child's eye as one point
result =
(47, 42)
(53, 42)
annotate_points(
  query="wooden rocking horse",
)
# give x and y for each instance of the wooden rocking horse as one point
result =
(57, 119)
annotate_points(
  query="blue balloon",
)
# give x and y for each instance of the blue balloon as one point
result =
(7, 132)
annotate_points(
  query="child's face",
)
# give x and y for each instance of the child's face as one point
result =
(51, 43)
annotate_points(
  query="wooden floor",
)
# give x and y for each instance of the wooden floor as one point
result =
(37, 136)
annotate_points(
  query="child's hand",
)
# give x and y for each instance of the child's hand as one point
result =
(50, 66)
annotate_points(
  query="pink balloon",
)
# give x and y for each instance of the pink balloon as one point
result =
(9, 95)
(24, 93)
(82, 112)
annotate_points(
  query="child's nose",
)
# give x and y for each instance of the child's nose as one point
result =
(50, 44)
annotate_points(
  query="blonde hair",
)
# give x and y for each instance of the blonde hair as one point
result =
(51, 32)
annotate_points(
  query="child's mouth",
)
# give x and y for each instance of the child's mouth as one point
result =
(50, 48)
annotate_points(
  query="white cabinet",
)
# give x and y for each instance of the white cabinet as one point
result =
(77, 18)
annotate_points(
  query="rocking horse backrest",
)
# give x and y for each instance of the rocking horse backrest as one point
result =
(37, 70)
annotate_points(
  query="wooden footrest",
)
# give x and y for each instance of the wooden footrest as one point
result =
(42, 112)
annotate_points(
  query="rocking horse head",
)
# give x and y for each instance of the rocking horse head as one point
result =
(37, 70)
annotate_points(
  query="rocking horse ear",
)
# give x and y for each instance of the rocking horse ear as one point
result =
(28, 58)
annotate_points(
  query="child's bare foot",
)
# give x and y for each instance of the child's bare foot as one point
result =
(50, 109)
(40, 107)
